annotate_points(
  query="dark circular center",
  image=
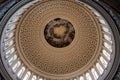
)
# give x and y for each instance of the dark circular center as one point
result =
(59, 33)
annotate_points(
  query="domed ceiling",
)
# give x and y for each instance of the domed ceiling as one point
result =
(60, 39)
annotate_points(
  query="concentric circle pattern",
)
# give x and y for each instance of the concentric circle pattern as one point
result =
(58, 39)
(36, 51)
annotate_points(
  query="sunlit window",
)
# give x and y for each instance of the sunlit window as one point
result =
(105, 29)
(106, 54)
(27, 76)
(108, 46)
(94, 73)
(8, 36)
(34, 77)
(10, 27)
(103, 61)
(20, 73)
(8, 44)
(102, 21)
(107, 37)
(12, 59)
(9, 52)
(99, 68)
(81, 78)
(88, 77)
